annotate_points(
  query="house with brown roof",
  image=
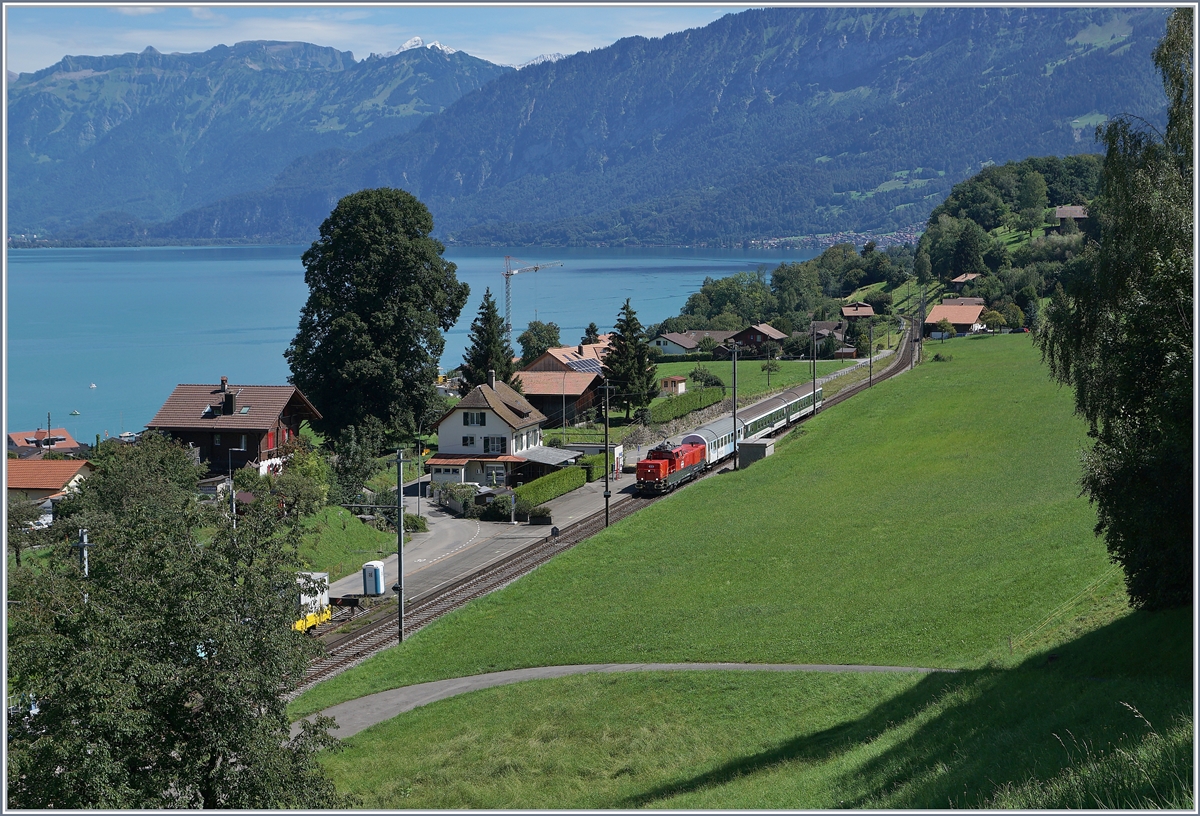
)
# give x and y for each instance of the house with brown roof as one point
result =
(562, 396)
(687, 342)
(1070, 212)
(582, 357)
(27, 444)
(949, 300)
(42, 479)
(965, 319)
(962, 280)
(753, 338)
(234, 425)
(672, 386)
(493, 436)
(857, 310)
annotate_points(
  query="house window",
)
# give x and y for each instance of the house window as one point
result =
(243, 441)
(474, 418)
(216, 440)
(495, 444)
(468, 441)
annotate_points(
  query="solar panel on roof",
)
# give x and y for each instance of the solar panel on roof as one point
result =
(589, 366)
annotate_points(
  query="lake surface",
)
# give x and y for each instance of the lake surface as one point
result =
(138, 321)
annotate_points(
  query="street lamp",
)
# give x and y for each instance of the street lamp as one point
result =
(232, 493)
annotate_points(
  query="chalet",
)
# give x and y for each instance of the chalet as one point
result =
(755, 337)
(962, 280)
(27, 444)
(562, 396)
(231, 426)
(687, 342)
(965, 319)
(857, 310)
(42, 479)
(672, 386)
(493, 436)
(586, 358)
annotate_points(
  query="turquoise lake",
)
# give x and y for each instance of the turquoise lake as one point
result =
(138, 321)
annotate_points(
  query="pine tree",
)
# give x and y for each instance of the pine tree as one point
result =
(591, 335)
(627, 364)
(488, 349)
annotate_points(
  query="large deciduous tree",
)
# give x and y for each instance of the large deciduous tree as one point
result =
(488, 349)
(1119, 331)
(380, 296)
(627, 364)
(160, 678)
(536, 339)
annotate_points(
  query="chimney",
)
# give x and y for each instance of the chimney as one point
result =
(492, 378)
(580, 350)
(224, 384)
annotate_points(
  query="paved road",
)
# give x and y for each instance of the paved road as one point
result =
(356, 715)
(455, 547)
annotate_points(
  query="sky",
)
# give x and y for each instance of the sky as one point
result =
(39, 35)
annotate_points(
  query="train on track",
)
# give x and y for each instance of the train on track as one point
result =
(669, 465)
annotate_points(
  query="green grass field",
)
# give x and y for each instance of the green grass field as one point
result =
(931, 521)
(752, 380)
(335, 541)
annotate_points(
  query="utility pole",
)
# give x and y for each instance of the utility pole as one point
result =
(607, 452)
(734, 345)
(814, 368)
(398, 587)
(83, 544)
(870, 354)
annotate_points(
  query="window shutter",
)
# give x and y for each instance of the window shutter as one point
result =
(482, 418)
(466, 418)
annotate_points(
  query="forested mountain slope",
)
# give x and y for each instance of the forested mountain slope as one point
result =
(768, 123)
(156, 134)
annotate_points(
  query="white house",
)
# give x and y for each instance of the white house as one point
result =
(493, 436)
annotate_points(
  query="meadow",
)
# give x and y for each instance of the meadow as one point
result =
(932, 521)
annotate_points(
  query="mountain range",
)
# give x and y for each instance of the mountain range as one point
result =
(767, 123)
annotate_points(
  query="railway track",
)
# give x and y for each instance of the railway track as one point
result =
(350, 649)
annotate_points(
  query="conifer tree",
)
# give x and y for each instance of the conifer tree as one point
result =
(627, 364)
(488, 349)
(591, 335)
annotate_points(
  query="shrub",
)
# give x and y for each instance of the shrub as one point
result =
(415, 524)
(593, 466)
(675, 407)
(551, 486)
(942, 358)
(541, 511)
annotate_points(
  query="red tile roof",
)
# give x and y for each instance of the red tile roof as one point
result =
(958, 315)
(189, 406)
(512, 408)
(43, 474)
(31, 439)
(857, 309)
(553, 383)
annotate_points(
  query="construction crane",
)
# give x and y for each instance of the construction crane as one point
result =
(508, 275)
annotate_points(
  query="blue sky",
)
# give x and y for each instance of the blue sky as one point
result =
(37, 36)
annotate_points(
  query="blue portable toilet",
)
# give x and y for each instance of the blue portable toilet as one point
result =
(372, 573)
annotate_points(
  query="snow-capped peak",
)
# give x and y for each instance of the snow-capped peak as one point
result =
(538, 60)
(417, 42)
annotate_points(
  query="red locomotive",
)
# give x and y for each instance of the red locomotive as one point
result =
(665, 468)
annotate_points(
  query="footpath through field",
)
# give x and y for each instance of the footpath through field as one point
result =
(357, 715)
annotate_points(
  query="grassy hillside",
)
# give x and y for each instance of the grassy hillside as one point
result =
(335, 541)
(933, 521)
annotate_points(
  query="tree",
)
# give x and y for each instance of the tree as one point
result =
(968, 250)
(354, 462)
(947, 329)
(21, 514)
(879, 301)
(380, 296)
(1032, 201)
(707, 344)
(536, 339)
(627, 364)
(922, 268)
(1119, 330)
(161, 677)
(771, 364)
(992, 319)
(488, 349)
(1013, 317)
(590, 335)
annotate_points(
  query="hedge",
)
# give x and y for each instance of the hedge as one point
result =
(593, 466)
(691, 357)
(675, 407)
(550, 486)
